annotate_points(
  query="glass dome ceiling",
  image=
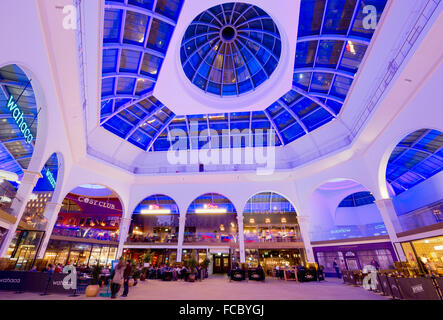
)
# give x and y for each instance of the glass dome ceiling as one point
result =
(416, 158)
(332, 42)
(230, 49)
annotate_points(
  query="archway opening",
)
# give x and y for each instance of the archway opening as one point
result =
(271, 220)
(155, 221)
(32, 226)
(211, 221)
(414, 177)
(86, 232)
(18, 129)
(344, 210)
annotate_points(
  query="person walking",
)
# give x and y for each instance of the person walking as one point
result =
(375, 264)
(117, 278)
(337, 269)
(126, 276)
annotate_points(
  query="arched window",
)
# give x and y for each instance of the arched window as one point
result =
(211, 218)
(270, 217)
(416, 158)
(155, 220)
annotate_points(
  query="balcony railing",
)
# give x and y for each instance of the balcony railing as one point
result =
(153, 238)
(85, 233)
(209, 237)
(423, 217)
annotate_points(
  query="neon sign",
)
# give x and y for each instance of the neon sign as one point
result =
(154, 208)
(17, 115)
(50, 177)
(98, 203)
(211, 208)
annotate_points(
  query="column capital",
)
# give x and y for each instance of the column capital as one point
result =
(182, 218)
(383, 201)
(126, 220)
(240, 219)
(30, 177)
(54, 205)
(303, 219)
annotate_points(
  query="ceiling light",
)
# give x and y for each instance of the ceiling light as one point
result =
(8, 175)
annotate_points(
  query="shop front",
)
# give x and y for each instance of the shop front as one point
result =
(23, 248)
(272, 260)
(80, 254)
(158, 257)
(425, 255)
(355, 257)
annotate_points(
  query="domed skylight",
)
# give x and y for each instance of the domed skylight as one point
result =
(230, 49)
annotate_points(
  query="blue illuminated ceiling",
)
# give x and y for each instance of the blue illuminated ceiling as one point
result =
(268, 202)
(15, 152)
(230, 49)
(416, 158)
(214, 199)
(332, 42)
(357, 199)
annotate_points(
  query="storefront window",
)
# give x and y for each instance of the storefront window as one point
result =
(252, 257)
(79, 254)
(428, 253)
(23, 248)
(271, 259)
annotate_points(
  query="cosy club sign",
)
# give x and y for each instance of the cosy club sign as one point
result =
(98, 203)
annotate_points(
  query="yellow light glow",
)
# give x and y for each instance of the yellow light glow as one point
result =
(351, 47)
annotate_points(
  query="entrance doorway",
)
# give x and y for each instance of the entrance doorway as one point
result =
(221, 263)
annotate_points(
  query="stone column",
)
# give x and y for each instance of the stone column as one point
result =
(123, 235)
(181, 235)
(392, 223)
(51, 214)
(241, 238)
(303, 222)
(18, 206)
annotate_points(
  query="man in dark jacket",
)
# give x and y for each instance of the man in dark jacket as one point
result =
(126, 276)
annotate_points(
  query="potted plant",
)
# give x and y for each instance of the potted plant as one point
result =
(93, 289)
(205, 265)
(147, 257)
(143, 274)
(192, 263)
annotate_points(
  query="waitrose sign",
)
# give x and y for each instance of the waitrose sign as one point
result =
(18, 116)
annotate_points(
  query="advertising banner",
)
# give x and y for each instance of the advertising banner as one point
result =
(418, 289)
(12, 280)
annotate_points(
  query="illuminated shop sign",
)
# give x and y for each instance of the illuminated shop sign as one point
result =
(153, 208)
(211, 208)
(340, 231)
(50, 177)
(19, 119)
(98, 203)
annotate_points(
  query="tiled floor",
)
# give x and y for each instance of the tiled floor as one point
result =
(219, 288)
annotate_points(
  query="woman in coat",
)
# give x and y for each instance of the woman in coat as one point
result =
(117, 279)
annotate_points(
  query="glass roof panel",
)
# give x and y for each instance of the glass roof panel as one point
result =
(16, 89)
(416, 158)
